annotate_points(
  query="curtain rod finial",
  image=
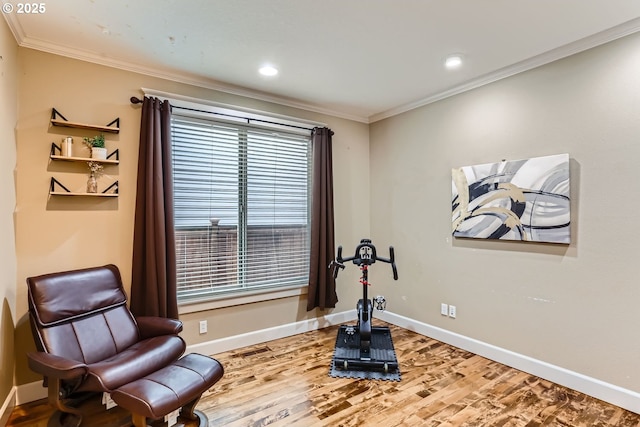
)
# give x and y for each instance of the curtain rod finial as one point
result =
(135, 100)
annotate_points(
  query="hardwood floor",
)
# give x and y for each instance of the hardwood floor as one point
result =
(286, 383)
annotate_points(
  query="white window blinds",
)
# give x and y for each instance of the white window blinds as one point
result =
(242, 197)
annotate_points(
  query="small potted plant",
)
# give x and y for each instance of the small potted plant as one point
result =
(97, 147)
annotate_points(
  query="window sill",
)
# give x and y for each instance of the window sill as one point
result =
(221, 301)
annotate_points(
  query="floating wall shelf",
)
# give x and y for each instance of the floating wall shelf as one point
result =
(56, 188)
(112, 127)
(84, 159)
(54, 154)
(111, 191)
(64, 193)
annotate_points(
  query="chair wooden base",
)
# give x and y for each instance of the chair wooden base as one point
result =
(200, 420)
(92, 413)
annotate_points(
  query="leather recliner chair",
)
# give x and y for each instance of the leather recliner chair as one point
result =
(88, 341)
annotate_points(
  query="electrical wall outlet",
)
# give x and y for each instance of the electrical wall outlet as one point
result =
(203, 327)
(444, 309)
(452, 311)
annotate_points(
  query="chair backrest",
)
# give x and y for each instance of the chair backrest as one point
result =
(81, 314)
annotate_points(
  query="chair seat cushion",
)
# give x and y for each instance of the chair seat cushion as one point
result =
(170, 388)
(135, 362)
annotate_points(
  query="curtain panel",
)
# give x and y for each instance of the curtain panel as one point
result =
(322, 285)
(153, 282)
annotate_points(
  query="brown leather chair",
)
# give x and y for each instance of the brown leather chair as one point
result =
(88, 341)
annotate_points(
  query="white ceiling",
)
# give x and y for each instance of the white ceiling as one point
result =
(358, 59)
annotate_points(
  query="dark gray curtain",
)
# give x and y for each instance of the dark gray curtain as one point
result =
(322, 285)
(153, 282)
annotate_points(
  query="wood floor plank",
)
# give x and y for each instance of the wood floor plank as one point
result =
(286, 382)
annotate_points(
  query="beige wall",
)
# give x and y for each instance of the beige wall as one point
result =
(572, 306)
(59, 233)
(8, 117)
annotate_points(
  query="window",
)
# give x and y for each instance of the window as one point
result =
(241, 206)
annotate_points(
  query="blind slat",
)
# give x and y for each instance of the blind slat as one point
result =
(241, 205)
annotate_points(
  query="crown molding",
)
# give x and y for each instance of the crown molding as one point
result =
(15, 27)
(186, 78)
(567, 50)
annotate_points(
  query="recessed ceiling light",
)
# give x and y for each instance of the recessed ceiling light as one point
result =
(453, 61)
(268, 70)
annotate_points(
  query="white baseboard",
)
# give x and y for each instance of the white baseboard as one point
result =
(264, 335)
(7, 407)
(30, 392)
(624, 398)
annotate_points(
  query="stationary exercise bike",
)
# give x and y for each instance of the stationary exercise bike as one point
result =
(358, 351)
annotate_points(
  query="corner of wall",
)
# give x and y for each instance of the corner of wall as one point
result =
(8, 259)
(7, 407)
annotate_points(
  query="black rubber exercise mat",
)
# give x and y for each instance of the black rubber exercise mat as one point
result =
(383, 363)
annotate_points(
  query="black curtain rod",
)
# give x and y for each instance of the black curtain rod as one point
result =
(135, 100)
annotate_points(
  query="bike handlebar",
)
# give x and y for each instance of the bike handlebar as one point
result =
(365, 254)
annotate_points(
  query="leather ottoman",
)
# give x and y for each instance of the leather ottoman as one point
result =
(178, 385)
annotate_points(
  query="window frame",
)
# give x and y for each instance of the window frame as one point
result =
(260, 119)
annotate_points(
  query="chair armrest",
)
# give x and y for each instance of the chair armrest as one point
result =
(54, 366)
(151, 326)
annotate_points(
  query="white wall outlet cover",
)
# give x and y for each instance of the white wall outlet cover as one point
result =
(444, 309)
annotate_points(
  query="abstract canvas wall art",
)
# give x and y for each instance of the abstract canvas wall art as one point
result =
(526, 200)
